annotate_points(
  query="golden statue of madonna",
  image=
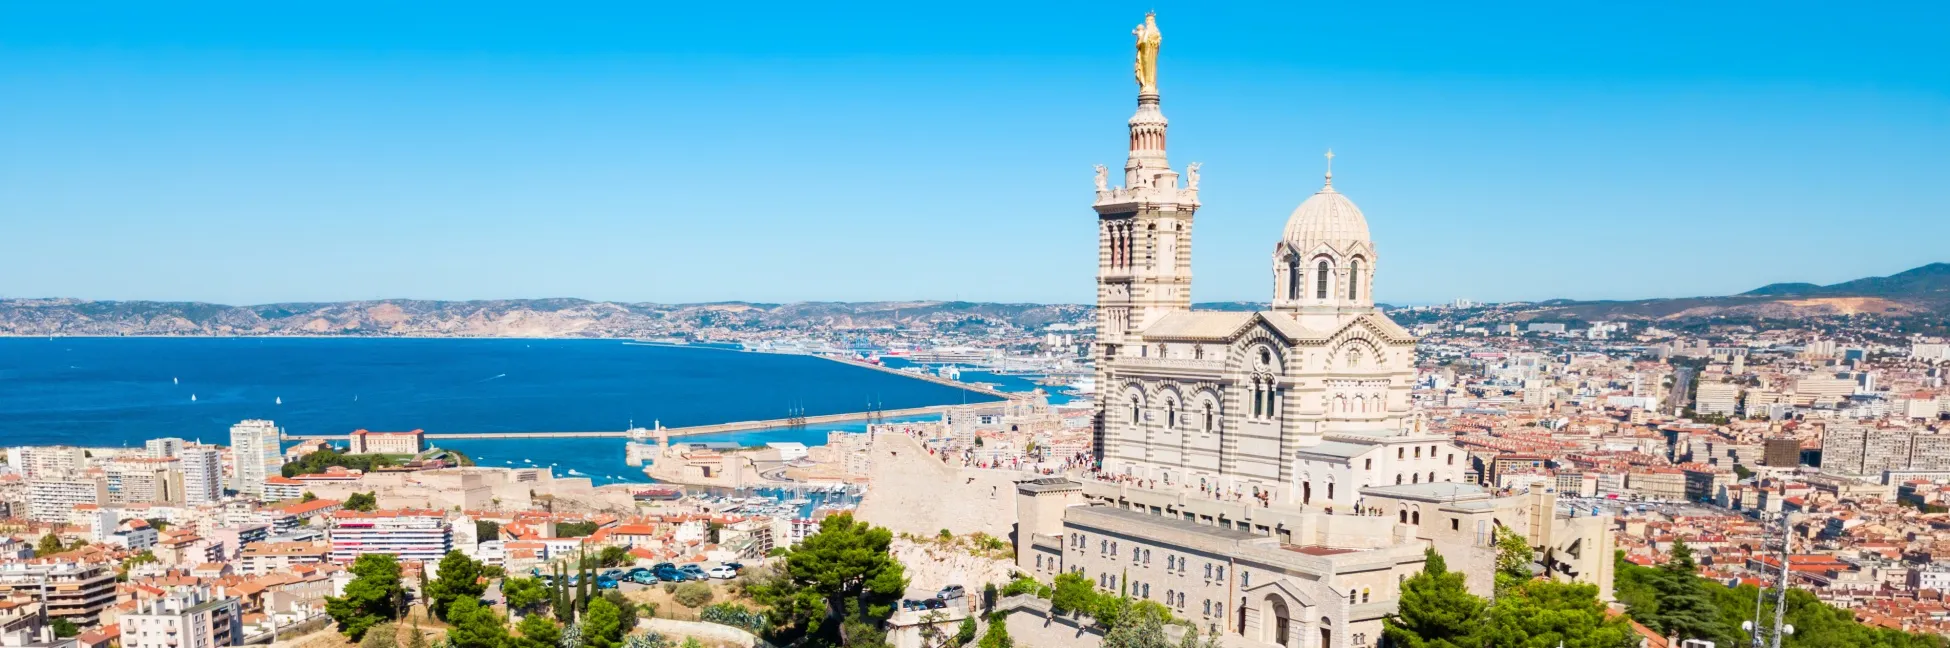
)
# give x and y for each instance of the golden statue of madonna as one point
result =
(1148, 40)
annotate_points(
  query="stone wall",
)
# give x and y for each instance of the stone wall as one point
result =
(911, 491)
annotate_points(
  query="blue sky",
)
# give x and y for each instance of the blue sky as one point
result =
(672, 152)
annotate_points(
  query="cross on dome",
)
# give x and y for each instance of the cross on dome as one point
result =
(1330, 167)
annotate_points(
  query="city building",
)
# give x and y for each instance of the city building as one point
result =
(1782, 453)
(1717, 398)
(144, 479)
(72, 591)
(202, 475)
(368, 442)
(185, 618)
(409, 534)
(163, 448)
(254, 449)
(51, 498)
(38, 461)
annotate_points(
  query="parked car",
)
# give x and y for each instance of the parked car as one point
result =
(641, 576)
(934, 604)
(616, 574)
(668, 573)
(694, 571)
(605, 582)
(951, 592)
(663, 566)
(722, 572)
(736, 566)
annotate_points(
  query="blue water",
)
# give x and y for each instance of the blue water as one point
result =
(122, 391)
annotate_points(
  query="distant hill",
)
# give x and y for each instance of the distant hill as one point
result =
(558, 317)
(1916, 291)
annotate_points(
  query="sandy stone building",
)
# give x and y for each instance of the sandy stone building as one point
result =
(1306, 403)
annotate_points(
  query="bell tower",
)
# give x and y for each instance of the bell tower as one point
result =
(1144, 230)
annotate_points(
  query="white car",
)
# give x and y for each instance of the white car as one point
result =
(722, 572)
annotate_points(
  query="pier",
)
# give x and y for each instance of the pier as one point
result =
(796, 421)
(694, 430)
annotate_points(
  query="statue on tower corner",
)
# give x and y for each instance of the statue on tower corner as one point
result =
(1103, 178)
(1148, 40)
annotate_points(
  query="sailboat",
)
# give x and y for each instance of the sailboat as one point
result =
(280, 400)
(192, 398)
(176, 381)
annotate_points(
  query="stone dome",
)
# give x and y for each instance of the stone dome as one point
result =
(1327, 217)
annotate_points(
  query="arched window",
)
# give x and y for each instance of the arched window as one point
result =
(1207, 426)
(1330, 490)
(1415, 517)
(1320, 280)
(1418, 452)
(1364, 594)
(1431, 476)
(1221, 574)
(1404, 516)
(1171, 416)
(1415, 478)
(1354, 280)
(1293, 282)
(1135, 410)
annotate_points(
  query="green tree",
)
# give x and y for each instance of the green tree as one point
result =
(574, 529)
(626, 610)
(1549, 614)
(1685, 605)
(472, 625)
(997, 635)
(384, 635)
(486, 530)
(614, 556)
(846, 562)
(64, 628)
(366, 502)
(1436, 610)
(1513, 559)
(50, 544)
(537, 631)
(1140, 627)
(524, 594)
(602, 625)
(308, 497)
(372, 597)
(1073, 593)
(459, 578)
(966, 632)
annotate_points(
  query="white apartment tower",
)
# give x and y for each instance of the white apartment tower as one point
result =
(163, 448)
(254, 446)
(202, 475)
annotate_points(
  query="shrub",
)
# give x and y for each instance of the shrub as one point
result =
(735, 615)
(384, 635)
(692, 594)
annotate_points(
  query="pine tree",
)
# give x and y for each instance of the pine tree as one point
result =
(1685, 607)
(1436, 610)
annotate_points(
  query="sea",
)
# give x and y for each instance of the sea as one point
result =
(109, 392)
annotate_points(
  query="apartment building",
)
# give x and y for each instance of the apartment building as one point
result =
(271, 557)
(410, 534)
(52, 497)
(202, 475)
(39, 461)
(140, 480)
(254, 448)
(188, 618)
(73, 591)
